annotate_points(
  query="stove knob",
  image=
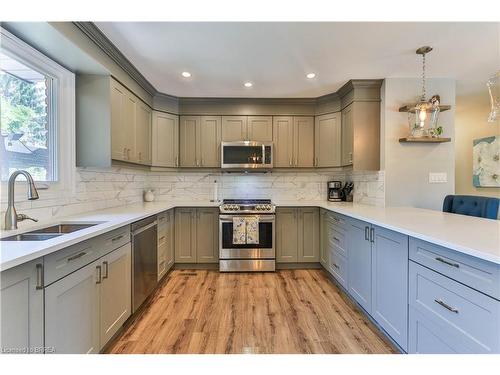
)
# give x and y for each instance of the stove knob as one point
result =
(258, 207)
(269, 207)
(235, 207)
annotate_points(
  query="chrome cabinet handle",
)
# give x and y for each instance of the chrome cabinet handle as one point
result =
(290, 162)
(128, 154)
(372, 235)
(105, 269)
(367, 233)
(99, 274)
(176, 161)
(39, 276)
(350, 157)
(124, 152)
(337, 267)
(439, 259)
(140, 156)
(161, 238)
(316, 163)
(336, 239)
(446, 306)
(77, 256)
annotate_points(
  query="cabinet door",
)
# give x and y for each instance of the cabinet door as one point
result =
(118, 126)
(390, 283)
(169, 254)
(234, 128)
(304, 141)
(359, 263)
(366, 138)
(260, 128)
(347, 135)
(286, 235)
(165, 140)
(283, 141)
(115, 296)
(308, 241)
(185, 235)
(207, 235)
(327, 134)
(187, 140)
(143, 134)
(22, 308)
(209, 141)
(323, 250)
(72, 312)
(129, 126)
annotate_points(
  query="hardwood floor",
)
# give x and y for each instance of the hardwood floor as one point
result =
(290, 311)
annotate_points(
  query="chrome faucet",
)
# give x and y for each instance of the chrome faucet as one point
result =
(11, 216)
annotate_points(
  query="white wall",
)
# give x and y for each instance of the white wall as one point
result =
(407, 166)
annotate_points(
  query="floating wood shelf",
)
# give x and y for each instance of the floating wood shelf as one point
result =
(424, 140)
(411, 108)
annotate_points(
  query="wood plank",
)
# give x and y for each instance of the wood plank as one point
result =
(289, 311)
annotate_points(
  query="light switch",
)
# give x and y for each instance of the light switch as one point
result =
(438, 177)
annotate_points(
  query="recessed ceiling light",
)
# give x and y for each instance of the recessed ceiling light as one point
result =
(311, 75)
(186, 74)
(248, 84)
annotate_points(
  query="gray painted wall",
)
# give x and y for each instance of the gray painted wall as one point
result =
(407, 166)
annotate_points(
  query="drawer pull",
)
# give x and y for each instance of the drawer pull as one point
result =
(105, 269)
(336, 239)
(446, 306)
(99, 275)
(161, 238)
(439, 259)
(367, 233)
(337, 267)
(39, 276)
(117, 238)
(77, 256)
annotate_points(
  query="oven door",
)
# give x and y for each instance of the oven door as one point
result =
(246, 155)
(263, 250)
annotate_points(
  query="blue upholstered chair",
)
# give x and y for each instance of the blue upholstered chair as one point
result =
(472, 206)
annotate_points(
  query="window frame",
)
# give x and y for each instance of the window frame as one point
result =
(62, 114)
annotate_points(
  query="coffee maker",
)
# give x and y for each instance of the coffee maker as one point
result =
(335, 192)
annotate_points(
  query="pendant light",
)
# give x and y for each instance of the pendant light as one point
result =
(424, 112)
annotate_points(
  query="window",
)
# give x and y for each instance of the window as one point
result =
(37, 117)
(28, 138)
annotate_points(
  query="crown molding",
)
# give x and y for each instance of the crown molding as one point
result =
(107, 46)
(359, 83)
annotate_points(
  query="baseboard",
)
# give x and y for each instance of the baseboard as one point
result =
(298, 266)
(196, 266)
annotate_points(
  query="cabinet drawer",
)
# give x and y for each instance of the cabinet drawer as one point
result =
(337, 239)
(462, 317)
(476, 273)
(338, 220)
(337, 265)
(63, 262)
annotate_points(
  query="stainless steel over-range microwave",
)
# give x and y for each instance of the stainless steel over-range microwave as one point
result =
(246, 155)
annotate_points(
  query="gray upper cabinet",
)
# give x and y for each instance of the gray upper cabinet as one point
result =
(234, 128)
(303, 141)
(293, 141)
(143, 134)
(208, 140)
(260, 128)
(283, 132)
(21, 306)
(199, 140)
(327, 135)
(361, 135)
(165, 140)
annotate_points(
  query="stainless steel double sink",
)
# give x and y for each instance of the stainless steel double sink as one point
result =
(49, 232)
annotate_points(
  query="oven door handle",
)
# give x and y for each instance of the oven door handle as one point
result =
(229, 218)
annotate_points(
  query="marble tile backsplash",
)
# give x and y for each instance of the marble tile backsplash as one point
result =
(104, 188)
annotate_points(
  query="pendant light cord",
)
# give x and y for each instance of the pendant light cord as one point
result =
(423, 78)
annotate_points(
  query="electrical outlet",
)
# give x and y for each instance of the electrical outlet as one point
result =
(438, 177)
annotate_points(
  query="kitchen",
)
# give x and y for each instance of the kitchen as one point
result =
(195, 211)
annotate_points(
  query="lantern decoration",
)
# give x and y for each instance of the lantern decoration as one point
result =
(494, 90)
(423, 116)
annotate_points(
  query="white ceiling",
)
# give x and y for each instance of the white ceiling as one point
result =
(277, 56)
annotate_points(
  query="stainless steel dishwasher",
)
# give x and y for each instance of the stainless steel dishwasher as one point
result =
(144, 260)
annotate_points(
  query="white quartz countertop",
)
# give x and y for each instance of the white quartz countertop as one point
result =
(469, 235)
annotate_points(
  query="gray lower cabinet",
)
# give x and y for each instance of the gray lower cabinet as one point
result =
(72, 312)
(297, 235)
(84, 309)
(21, 296)
(323, 250)
(390, 283)
(165, 242)
(196, 235)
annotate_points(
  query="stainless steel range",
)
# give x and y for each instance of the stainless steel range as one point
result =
(249, 252)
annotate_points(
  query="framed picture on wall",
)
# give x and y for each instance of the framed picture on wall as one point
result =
(486, 163)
